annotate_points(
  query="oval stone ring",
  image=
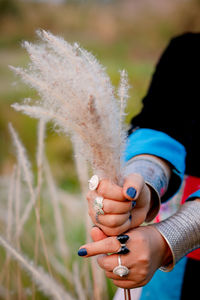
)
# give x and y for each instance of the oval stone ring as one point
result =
(120, 270)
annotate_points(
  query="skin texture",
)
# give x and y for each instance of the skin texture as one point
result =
(117, 205)
(148, 249)
(148, 252)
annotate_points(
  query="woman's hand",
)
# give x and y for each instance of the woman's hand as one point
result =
(124, 207)
(148, 251)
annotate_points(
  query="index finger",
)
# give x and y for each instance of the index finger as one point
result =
(110, 190)
(107, 245)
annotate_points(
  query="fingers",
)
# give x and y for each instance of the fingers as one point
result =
(126, 284)
(116, 207)
(133, 185)
(109, 262)
(110, 206)
(109, 190)
(108, 245)
(113, 220)
(113, 231)
(97, 234)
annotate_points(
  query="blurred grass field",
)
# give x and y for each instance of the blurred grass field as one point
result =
(122, 34)
(126, 34)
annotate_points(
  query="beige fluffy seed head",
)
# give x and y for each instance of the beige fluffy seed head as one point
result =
(77, 95)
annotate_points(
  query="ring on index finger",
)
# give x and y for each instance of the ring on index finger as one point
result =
(93, 182)
(123, 238)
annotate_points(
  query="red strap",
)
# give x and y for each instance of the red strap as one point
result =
(192, 184)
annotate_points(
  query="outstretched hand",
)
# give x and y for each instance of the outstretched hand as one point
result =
(124, 207)
(148, 251)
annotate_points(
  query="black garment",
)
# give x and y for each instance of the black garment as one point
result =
(172, 102)
(190, 286)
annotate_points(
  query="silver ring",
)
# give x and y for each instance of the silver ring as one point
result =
(120, 270)
(97, 218)
(98, 205)
(93, 182)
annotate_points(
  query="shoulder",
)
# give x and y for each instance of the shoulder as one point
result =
(187, 40)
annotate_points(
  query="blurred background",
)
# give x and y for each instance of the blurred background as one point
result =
(122, 34)
(128, 34)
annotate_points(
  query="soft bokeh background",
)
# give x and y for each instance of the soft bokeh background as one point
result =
(126, 34)
(129, 34)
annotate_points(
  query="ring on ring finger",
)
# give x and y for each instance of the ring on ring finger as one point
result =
(120, 270)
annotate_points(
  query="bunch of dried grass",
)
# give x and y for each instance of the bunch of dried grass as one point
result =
(77, 95)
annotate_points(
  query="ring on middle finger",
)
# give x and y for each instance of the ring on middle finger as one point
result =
(123, 238)
(98, 205)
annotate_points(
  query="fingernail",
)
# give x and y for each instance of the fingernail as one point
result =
(133, 204)
(131, 192)
(130, 217)
(82, 252)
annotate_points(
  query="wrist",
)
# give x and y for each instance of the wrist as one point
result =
(156, 174)
(161, 247)
(166, 254)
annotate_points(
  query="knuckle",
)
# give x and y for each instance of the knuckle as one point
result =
(116, 231)
(107, 207)
(107, 230)
(144, 259)
(102, 188)
(113, 221)
(112, 244)
(142, 274)
(109, 243)
(90, 196)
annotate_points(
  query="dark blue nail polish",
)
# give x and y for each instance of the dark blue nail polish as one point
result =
(130, 217)
(133, 204)
(131, 192)
(82, 252)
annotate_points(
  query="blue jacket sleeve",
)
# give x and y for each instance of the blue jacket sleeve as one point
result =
(149, 141)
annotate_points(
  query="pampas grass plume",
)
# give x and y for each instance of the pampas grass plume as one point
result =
(77, 95)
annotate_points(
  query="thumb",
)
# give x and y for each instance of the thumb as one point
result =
(133, 185)
(97, 234)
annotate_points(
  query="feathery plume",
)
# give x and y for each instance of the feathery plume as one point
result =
(62, 245)
(22, 158)
(45, 283)
(77, 95)
(123, 93)
(18, 196)
(10, 205)
(28, 177)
